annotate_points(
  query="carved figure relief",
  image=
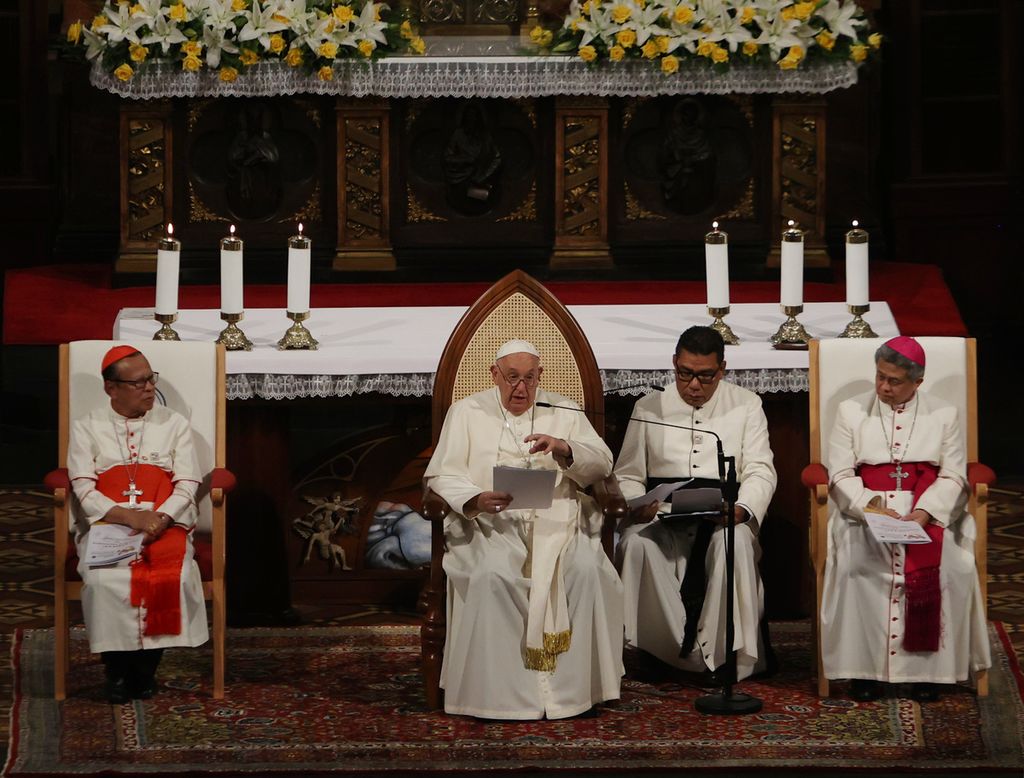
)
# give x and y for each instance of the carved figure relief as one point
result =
(319, 526)
(688, 160)
(471, 160)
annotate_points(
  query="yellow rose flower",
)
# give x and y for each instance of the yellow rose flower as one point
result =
(344, 13)
(826, 40)
(546, 37)
(588, 53)
(366, 47)
(858, 52)
(328, 50)
(621, 14)
(804, 10)
(192, 48)
(124, 72)
(747, 15)
(191, 64)
(750, 48)
(236, 5)
(650, 49)
(293, 58)
(405, 30)
(98, 21)
(789, 64)
(875, 39)
(789, 13)
(535, 34)
(134, 9)
(418, 45)
(662, 42)
(704, 48)
(669, 64)
(248, 57)
(178, 12)
(616, 53)
(720, 55)
(138, 52)
(585, 8)
(276, 44)
(326, 73)
(796, 53)
(683, 15)
(228, 74)
(74, 32)
(625, 38)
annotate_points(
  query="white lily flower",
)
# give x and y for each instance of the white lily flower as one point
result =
(166, 33)
(214, 43)
(599, 26)
(366, 26)
(94, 44)
(300, 20)
(645, 22)
(122, 25)
(260, 23)
(840, 17)
(778, 34)
(220, 16)
(149, 11)
(728, 28)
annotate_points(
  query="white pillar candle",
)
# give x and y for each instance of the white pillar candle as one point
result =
(792, 292)
(857, 266)
(716, 264)
(231, 283)
(168, 260)
(298, 272)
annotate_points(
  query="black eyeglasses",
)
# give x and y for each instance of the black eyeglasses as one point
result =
(706, 377)
(139, 383)
(530, 379)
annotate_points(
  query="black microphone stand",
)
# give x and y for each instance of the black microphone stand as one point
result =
(727, 702)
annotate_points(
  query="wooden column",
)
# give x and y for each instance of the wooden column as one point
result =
(581, 183)
(798, 176)
(146, 178)
(363, 164)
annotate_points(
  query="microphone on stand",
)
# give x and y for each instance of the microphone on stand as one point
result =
(725, 702)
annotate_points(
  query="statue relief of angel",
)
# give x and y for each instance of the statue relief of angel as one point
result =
(327, 518)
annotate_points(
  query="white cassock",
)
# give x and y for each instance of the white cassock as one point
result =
(863, 602)
(103, 440)
(654, 555)
(517, 574)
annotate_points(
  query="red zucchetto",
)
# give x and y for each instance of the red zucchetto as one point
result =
(115, 354)
(907, 347)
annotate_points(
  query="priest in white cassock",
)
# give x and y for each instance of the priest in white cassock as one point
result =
(890, 612)
(132, 463)
(534, 604)
(673, 571)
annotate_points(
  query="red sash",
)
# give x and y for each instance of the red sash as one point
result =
(924, 594)
(156, 575)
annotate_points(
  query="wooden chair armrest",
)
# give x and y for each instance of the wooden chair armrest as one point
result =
(609, 498)
(434, 506)
(217, 497)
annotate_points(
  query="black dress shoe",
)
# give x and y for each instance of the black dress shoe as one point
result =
(865, 691)
(116, 690)
(924, 692)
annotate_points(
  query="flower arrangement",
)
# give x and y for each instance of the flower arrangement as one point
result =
(773, 33)
(230, 36)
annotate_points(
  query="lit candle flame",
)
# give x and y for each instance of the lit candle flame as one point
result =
(791, 223)
(231, 229)
(714, 226)
(300, 228)
(856, 223)
(170, 229)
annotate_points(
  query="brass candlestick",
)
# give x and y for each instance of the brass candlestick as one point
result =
(232, 336)
(791, 334)
(858, 328)
(166, 332)
(297, 336)
(719, 325)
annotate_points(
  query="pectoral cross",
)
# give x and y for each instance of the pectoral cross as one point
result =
(133, 491)
(899, 475)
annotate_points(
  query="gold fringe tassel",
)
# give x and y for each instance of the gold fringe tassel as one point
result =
(545, 659)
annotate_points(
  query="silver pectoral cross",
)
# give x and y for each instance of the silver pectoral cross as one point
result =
(132, 492)
(899, 475)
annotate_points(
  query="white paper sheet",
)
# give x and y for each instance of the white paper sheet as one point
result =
(886, 529)
(108, 544)
(529, 488)
(659, 493)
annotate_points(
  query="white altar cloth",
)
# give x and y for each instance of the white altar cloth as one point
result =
(396, 350)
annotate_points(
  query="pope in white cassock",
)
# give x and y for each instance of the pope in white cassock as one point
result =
(534, 604)
(892, 612)
(673, 572)
(132, 463)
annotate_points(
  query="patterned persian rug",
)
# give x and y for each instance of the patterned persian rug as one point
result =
(341, 700)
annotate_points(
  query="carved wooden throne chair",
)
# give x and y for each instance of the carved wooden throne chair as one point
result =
(841, 369)
(517, 306)
(192, 383)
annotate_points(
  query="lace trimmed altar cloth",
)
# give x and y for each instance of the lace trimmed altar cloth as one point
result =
(477, 67)
(394, 351)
